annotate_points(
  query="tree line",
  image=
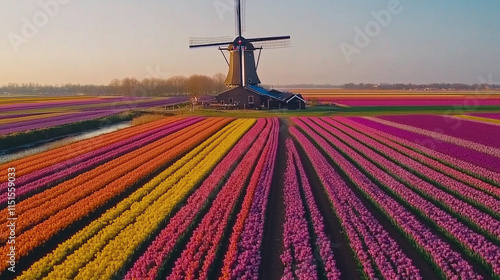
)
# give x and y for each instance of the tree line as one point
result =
(173, 86)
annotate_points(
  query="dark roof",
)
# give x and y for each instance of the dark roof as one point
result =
(275, 94)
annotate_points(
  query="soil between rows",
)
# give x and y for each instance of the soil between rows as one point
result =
(271, 266)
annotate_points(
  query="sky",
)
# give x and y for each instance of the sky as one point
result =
(333, 41)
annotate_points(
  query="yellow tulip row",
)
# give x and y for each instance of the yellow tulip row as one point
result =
(114, 256)
(91, 239)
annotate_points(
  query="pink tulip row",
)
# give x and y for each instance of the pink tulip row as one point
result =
(439, 136)
(297, 254)
(448, 261)
(38, 180)
(477, 244)
(322, 241)
(199, 255)
(419, 156)
(148, 265)
(483, 133)
(347, 135)
(242, 260)
(447, 153)
(368, 239)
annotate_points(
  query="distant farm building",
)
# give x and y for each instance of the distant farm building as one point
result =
(255, 97)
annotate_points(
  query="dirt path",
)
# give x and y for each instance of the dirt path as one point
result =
(271, 266)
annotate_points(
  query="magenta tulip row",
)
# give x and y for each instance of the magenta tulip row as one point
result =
(54, 121)
(475, 158)
(38, 180)
(459, 170)
(495, 116)
(472, 241)
(482, 133)
(201, 251)
(149, 264)
(359, 102)
(449, 261)
(470, 213)
(368, 239)
(297, 256)
(242, 260)
(322, 242)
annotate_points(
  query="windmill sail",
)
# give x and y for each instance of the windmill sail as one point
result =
(242, 68)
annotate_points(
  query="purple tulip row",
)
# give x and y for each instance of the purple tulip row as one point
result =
(322, 241)
(243, 257)
(455, 162)
(347, 135)
(463, 154)
(440, 136)
(2, 117)
(139, 105)
(476, 243)
(448, 261)
(297, 256)
(201, 251)
(37, 180)
(483, 133)
(54, 121)
(368, 239)
(454, 172)
(148, 265)
(53, 104)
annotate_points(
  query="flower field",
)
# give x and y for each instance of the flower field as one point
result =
(25, 114)
(386, 197)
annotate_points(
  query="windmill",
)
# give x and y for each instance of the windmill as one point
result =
(242, 65)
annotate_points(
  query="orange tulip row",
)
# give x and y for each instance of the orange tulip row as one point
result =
(65, 216)
(39, 207)
(36, 162)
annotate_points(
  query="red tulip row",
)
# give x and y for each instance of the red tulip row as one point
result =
(372, 245)
(448, 261)
(321, 240)
(479, 219)
(242, 259)
(197, 258)
(147, 266)
(460, 170)
(38, 180)
(62, 212)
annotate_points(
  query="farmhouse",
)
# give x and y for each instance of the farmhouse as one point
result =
(252, 96)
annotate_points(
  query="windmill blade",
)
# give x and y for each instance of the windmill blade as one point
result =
(242, 17)
(197, 42)
(239, 13)
(271, 42)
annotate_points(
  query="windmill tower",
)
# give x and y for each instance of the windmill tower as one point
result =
(242, 64)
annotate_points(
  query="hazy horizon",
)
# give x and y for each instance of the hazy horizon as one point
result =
(93, 42)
